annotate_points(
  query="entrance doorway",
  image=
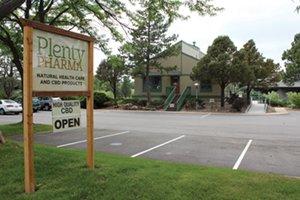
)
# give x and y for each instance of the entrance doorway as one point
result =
(175, 81)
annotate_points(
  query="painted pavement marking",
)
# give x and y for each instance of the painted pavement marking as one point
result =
(238, 162)
(97, 138)
(143, 152)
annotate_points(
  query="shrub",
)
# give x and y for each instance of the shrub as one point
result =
(142, 102)
(238, 104)
(191, 103)
(17, 96)
(157, 103)
(256, 95)
(294, 99)
(100, 100)
(127, 101)
(137, 102)
(71, 98)
(275, 100)
(232, 98)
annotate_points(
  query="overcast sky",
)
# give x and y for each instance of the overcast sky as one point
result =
(272, 24)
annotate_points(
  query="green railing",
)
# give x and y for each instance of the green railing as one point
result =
(169, 90)
(182, 98)
(170, 98)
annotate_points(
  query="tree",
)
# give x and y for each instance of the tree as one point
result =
(253, 70)
(292, 62)
(111, 71)
(298, 7)
(8, 77)
(126, 87)
(248, 62)
(270, 74)
(217, 65)
(79, 15)
(8, 6)
(88, 17)
(150, 41)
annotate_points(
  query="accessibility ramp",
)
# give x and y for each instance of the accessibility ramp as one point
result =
(256, 108)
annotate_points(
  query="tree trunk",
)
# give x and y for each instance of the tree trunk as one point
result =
(41, 11)
(248, 92)
(222, 96)
(115, 92)
(147, 82)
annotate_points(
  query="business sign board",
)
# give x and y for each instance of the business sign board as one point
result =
(56, 62)
(59, 62)
(65, 115)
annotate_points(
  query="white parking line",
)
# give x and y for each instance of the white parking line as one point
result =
(138, 154)
(205, 115)
(97, 138)
(238, 162)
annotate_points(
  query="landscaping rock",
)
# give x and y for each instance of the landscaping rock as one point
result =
(134, 108)
(127, 106)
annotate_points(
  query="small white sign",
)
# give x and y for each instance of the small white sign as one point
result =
(65, 115)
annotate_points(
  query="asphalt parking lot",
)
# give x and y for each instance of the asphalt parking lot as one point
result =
(268, 143)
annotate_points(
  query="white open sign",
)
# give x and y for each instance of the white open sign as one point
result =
(65, 115)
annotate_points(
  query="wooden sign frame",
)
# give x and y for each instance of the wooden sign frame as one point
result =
(28, 93)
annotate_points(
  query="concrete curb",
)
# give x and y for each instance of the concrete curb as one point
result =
(195, 112)
(266, 114)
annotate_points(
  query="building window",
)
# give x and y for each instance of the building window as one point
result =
(154, 83)
(205, 86)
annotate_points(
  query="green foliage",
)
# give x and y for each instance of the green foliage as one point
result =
(232, 98)
(126, 87)
(9, 78)
(108, 15)
(217, 64)
(292, 61)
(257, 95)
(248, 62)
(150, 40)
(79, 15)
(111, 71)
(274, 99)
(191, 102)
(99, 85)
(238, 104)
(17, 96)
(17, 128)
(101, 100)
(2, 95)
(82, 15)
(133, 101)
(252, 70)
(157, 103)
(70, 98)
(294, 99)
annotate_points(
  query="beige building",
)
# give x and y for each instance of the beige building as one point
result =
(179, 79)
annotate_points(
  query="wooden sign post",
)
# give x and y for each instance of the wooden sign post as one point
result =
(56, 63)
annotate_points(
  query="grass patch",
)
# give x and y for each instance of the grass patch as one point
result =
(17, 128)
(62, 174)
